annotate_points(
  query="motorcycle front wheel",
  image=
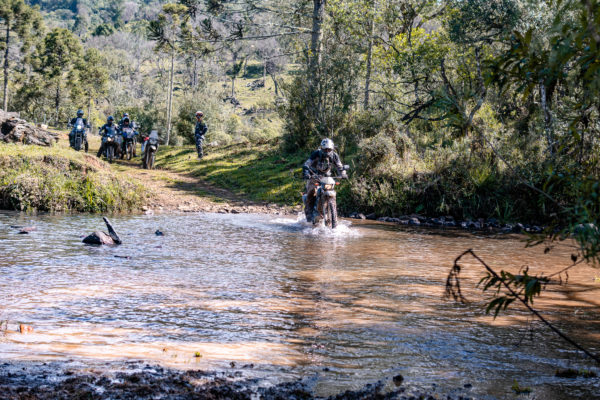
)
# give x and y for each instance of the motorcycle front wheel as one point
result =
(77, 146)
(330, 213)
(110, 153)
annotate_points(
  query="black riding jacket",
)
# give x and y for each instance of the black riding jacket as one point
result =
(106, 129)
(74, 121)
(322, 162)
(201, 128)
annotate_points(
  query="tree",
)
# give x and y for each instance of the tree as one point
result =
(23, 22)
(91, 76)
(166, 31)
(57, 56)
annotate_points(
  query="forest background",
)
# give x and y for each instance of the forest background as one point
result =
(473, 109)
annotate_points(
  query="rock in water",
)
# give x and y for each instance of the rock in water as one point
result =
(27, 229)
(16, 130)
(98, 238)
(103, 238)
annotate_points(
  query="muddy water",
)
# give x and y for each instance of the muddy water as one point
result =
(343, 309)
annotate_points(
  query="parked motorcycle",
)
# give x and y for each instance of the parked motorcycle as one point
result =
(325, 207)
(150, 149)
(129, 138)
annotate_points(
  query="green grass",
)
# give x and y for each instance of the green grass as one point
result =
(255, 172)
(58, 179)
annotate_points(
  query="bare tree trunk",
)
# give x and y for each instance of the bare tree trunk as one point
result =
(547, 117)
(6, 67)
(369, 60)
(195, 76)
(275, 83)
(57, 101)
(233, 87)
(316, 45)
(170, 96)
(265, 71)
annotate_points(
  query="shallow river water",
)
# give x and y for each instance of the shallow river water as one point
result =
(342, 309)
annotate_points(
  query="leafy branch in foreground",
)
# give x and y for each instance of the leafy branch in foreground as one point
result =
(508, 287)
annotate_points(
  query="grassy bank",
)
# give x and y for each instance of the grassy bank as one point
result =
(464, 190)
(258, 172)
(58, 179)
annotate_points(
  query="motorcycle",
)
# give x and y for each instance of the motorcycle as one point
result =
(110, 146)
(325, 207)
(151, 147)
(79, 138)
(129, 138)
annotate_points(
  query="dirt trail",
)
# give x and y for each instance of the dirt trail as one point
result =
(186, 193)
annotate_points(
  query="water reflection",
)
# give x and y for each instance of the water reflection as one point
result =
(365, 302)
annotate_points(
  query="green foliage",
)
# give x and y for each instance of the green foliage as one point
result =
(519, 389)
(57, 180)
(104, 30)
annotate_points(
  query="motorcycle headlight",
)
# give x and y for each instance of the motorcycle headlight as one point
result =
(78, 127)
(329, 187)
(109, 139)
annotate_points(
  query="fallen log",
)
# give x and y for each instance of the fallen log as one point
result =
(100, 238)
(16, 130)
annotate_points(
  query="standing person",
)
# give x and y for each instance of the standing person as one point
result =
(199, 132)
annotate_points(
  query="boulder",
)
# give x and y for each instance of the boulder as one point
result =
(16, 130)
(100, 238)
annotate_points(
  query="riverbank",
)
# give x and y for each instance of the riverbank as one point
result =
(136, 379)
(57, 179)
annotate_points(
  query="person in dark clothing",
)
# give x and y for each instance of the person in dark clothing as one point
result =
(78, 121)
(123, 125)
(320, 163)
(108, 129)
(199, 132)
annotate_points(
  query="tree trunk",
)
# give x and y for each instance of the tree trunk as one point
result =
(57, 101)
(316, 47)
(233, 87)
(547, 117)
(170, 104)
(5, 102)
(275, 83)
(195, 76)
(265, 71)
(369, 60)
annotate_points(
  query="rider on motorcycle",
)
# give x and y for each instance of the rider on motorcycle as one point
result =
(78, 120)
(125, 123)
(109, 128)
(199, 132)
(319, 164)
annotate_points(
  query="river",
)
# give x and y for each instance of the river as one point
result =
(344, 308)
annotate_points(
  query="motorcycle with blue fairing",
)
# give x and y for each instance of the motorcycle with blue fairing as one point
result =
(325, 208)
(78, 137)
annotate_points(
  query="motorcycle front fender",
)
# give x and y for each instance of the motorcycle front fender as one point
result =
(330, 193)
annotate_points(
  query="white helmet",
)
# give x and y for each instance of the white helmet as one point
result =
(327, 144)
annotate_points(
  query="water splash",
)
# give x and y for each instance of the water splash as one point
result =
(343, 230)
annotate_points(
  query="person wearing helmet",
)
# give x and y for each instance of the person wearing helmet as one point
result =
(199, 132)
(108, 129)
(78, 121)
(319, 164)
(126, 123)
